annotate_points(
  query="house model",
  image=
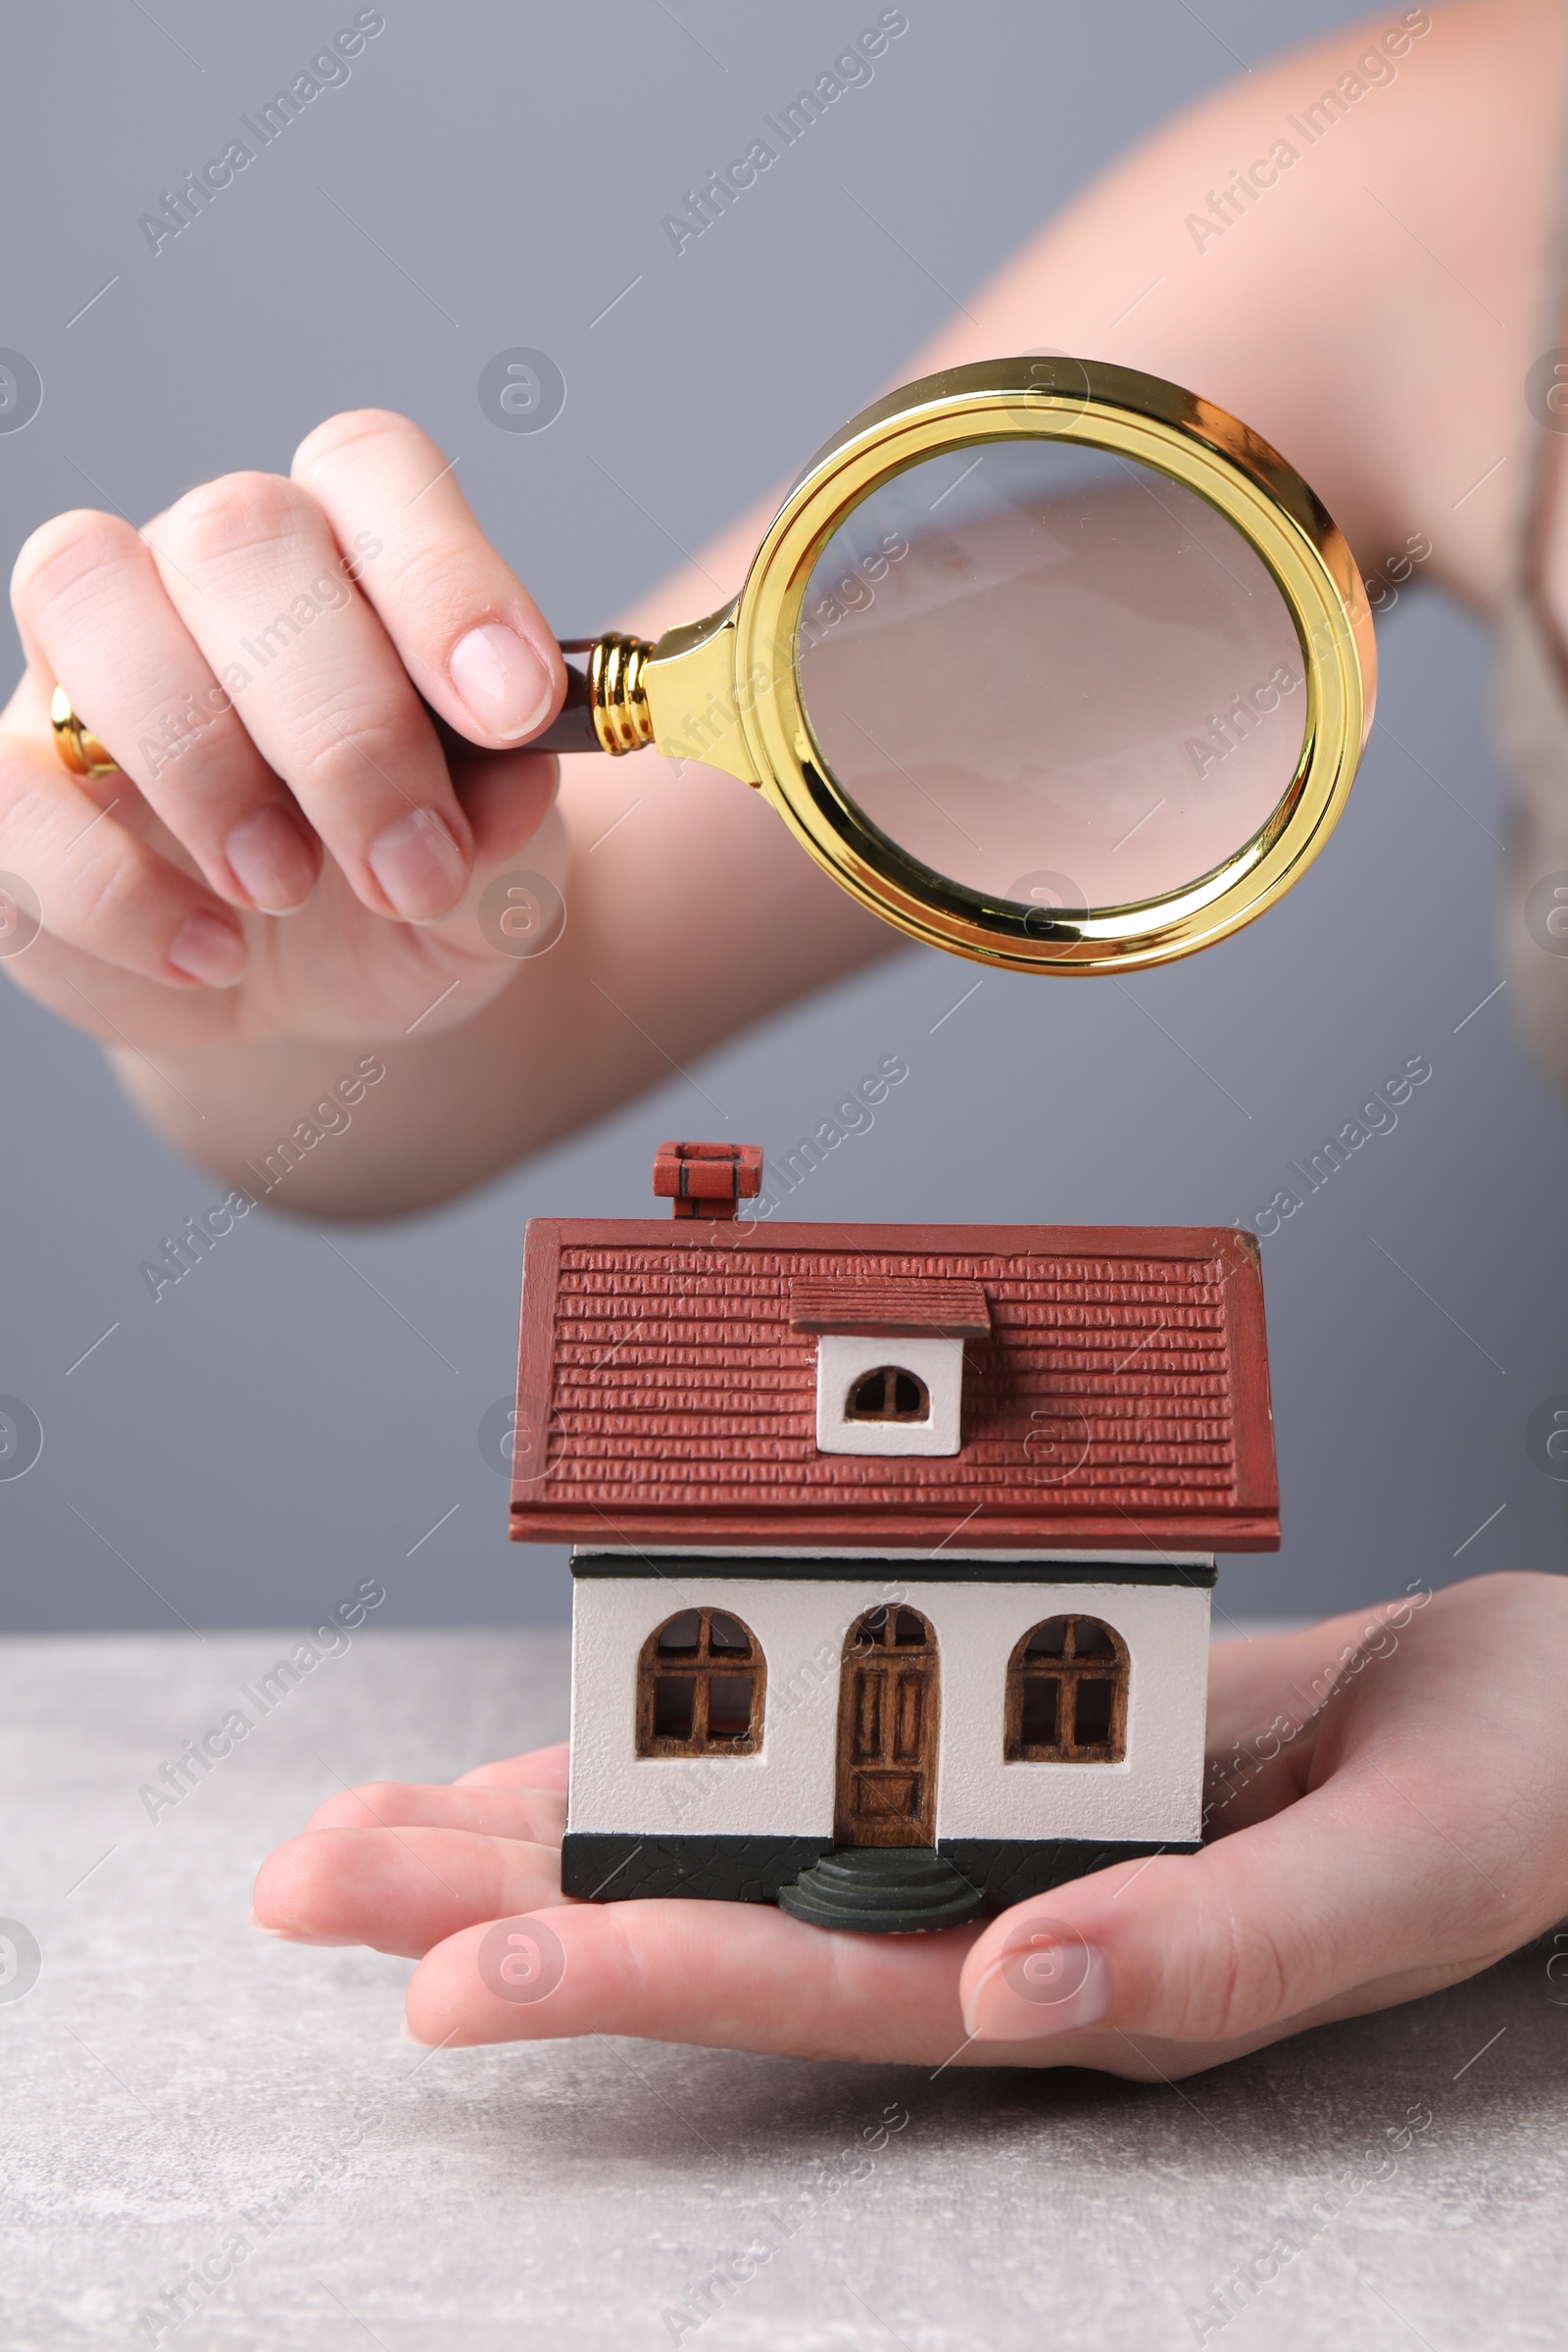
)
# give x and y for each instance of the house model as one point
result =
(893, 1544)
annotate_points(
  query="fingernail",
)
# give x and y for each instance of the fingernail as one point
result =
(1042, 1985)
(414, 2037)
(297, 1935)
(272, 859)
(420, 866)
(294, 1935)
(207, 948)
(502, 679)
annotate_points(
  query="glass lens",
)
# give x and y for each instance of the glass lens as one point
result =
(1052, 674)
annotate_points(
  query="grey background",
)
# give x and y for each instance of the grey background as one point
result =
(303, 1409)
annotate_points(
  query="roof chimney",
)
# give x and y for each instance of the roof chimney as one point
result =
(706, 1180)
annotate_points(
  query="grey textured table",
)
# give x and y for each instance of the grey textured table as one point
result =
(174, 2083)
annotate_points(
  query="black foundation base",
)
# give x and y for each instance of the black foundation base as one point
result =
(617, 1867)
(1004, 1870)
(612, 1867)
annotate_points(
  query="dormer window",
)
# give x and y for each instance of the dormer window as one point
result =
(888, 1394)
(889, 1360)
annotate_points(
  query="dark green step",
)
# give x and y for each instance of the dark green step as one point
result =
(882, 1890)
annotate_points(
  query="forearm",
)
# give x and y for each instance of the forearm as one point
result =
(1372, 313)
(630, 994)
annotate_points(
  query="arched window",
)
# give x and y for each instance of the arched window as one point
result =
(700, 1684)
(1066, 1697)
(888, 1394)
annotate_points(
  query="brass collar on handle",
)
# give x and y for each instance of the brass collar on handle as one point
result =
(618, 699)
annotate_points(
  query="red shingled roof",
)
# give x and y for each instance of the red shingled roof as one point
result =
(1119, 1404)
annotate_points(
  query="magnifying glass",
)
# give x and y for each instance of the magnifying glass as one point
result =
(1048, 663)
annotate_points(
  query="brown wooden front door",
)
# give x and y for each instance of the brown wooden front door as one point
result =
(887, 1760)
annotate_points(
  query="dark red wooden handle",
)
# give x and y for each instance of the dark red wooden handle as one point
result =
(573, 728)
(570, 730)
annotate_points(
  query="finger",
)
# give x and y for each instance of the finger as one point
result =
(399, 1891)
(540, 1768)
(1261, 1732)
(467, 631)
(1252, 1678)
(510, 801)
(1352, 1899)
(1260, 1777)
(251, 566)
(95, 617)
(100, 888)
(1277, 1707)
(537, 1816)
(730, 1976)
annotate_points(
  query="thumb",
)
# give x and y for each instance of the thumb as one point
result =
(1347, 1889)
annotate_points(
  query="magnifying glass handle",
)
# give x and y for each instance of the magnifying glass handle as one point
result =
(605, 708)
(573, 728)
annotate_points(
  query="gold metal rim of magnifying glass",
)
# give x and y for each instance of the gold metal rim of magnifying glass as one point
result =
(727, 690)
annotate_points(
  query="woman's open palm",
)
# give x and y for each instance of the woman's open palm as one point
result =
(1407, 1832)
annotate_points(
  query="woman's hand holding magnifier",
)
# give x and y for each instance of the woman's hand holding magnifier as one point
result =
(1016, 633)
(285, 849)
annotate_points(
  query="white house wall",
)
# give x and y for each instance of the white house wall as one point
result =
(787, 1789)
